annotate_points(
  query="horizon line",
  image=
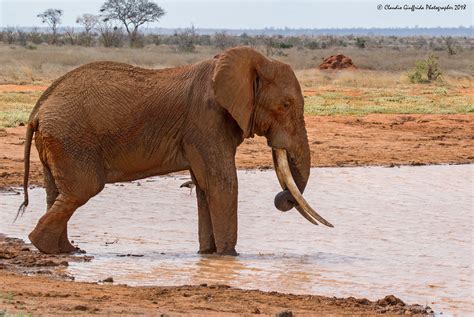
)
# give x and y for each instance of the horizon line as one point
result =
(271, 27)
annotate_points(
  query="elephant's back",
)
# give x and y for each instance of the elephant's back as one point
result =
(114, 109)
(99, 96)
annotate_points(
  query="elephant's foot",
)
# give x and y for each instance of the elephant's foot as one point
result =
(46, 241)
(207, 251)
(231, 252)
(49, 242)
(64, 245)
(51, 239)
(207, 245)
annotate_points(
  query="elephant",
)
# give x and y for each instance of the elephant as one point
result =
(107, 122)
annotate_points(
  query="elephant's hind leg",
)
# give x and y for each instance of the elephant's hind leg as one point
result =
(51, 194)
(71, 180)
(50, 235)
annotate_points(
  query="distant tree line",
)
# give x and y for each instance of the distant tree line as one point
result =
(105, 33)
(119, 22)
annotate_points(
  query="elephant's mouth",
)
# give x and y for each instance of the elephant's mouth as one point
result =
(291, 195)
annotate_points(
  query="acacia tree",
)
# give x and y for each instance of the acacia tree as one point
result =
(71, 35)
(110, 35)
(52, 17)
(88, 22)
(132, 14)
(450, 43)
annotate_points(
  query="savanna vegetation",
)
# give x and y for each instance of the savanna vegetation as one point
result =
(394, 74)
(387, 80)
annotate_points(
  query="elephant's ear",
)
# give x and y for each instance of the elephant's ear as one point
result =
(234, 82)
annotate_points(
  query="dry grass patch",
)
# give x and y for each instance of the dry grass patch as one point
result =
(47, 62)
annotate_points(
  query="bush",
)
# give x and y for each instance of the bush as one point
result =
(223, 41)
(283, 45)
(186, 40)
(360, 42)
(110, 35)
(312, 45)
(426, 71)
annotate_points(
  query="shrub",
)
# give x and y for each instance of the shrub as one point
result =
(186, 40)
(426, 71)
(223, 41)
(110, 35)
(360, 42)
(312, 45)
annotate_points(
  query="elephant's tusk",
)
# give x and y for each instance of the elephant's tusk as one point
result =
(307, 217)
(304, 208)
(281, 180)
(280, 177)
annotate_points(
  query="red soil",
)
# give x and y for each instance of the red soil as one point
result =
(337, 62)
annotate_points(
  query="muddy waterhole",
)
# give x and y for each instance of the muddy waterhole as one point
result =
(405, 231)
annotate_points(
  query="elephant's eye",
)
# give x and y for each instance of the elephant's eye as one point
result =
(286, 105)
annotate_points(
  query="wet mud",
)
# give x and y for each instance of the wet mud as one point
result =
(45, 291)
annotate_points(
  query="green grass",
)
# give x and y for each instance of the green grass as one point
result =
(15, 107)
(6, 314)
(9, 297)
(365, 93)
(440, 100)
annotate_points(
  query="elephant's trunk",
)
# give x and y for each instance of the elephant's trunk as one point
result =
(293, 170)
(300, 163)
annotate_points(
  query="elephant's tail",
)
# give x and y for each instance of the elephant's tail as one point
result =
(30, 130)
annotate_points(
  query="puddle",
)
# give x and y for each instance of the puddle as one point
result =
(404, 231)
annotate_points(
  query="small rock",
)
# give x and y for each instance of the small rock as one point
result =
(108, 280)
(390, 300)
(256, 311)
(81, 307)
(417, 309)
(285, 313)
(363, 301)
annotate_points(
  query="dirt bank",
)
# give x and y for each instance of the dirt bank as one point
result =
(335, 141)
(49, 291)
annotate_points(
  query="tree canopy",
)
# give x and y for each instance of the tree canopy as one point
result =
(131, 13)
(52, 17)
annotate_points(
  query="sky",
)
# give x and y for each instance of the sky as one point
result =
(257, 14)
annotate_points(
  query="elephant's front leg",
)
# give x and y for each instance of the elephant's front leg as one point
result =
(216, 181)
(222, 200)
(207, 244)
(218, 192)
